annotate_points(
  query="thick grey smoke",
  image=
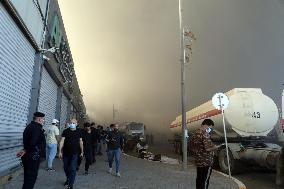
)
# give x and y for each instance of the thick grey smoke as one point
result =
(127, 53)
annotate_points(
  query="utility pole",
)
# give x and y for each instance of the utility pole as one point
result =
(113, 113)
(186, 38)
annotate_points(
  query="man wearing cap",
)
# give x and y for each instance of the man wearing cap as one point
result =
(52, 138)
(34, 146)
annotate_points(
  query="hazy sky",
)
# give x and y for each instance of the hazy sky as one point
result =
(126, 53)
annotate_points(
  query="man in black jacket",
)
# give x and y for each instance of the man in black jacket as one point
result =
(114, 141)
(34, 148)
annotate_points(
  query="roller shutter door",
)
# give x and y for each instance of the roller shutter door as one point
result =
(72, 112)
(16, 71)
(64, 111)
(47, 97)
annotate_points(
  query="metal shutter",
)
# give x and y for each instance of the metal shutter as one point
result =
(16, 71)
(47, 97)
(64, 111)
(72, 112)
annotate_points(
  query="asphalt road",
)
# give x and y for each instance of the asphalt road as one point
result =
(136, 174)
(253, 178)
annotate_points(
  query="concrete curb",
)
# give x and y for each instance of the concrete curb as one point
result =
(238, 182)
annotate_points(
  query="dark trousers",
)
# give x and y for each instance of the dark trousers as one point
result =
(70, 165)
(94, 153)
(89, 158)
(79, 161)
(99, 149)
(203, 176)
(30, 171)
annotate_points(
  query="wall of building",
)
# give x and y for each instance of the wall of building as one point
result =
(32, 13)
(28, 68)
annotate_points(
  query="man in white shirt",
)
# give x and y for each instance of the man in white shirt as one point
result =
(52, 138)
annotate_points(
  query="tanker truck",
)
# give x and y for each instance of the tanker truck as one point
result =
(249, 118)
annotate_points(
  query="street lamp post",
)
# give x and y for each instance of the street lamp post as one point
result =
(186, 38)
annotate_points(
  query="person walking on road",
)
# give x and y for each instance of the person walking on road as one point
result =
(100, 130)
(52, 138)
(114, 141)
(88, 146)
(95, 141)
(203, 148)
(71, 143)
(79, 159)
(34, 148)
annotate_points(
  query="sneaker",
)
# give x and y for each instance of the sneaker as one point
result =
(86, 173)
(110, 170)
(51, 169)
(66, 183)
(118, 174)
(70, 187)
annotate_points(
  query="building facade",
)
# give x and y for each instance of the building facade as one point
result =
(36, 73)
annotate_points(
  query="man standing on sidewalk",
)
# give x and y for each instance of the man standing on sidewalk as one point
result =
(114, 141)
(52, 138)
(202, 148)
(71, 142)
(34, 145)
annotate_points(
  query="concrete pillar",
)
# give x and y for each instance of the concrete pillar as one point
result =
(35, 86)
(58, 103)
(68, 110)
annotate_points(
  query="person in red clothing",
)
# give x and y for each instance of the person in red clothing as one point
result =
(203, 148)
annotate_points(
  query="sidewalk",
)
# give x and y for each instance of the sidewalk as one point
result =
(135, 174)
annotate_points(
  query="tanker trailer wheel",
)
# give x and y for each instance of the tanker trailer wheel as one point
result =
(222, 158)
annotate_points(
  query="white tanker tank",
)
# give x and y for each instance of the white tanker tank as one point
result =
(250, 116)
(250, 113)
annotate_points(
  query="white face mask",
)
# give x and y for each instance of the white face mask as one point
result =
(208, 130)
(72, 126)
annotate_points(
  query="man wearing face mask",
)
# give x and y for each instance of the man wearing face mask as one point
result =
(114, 141)
(72, 145)
(34, 147)
(203, 148)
